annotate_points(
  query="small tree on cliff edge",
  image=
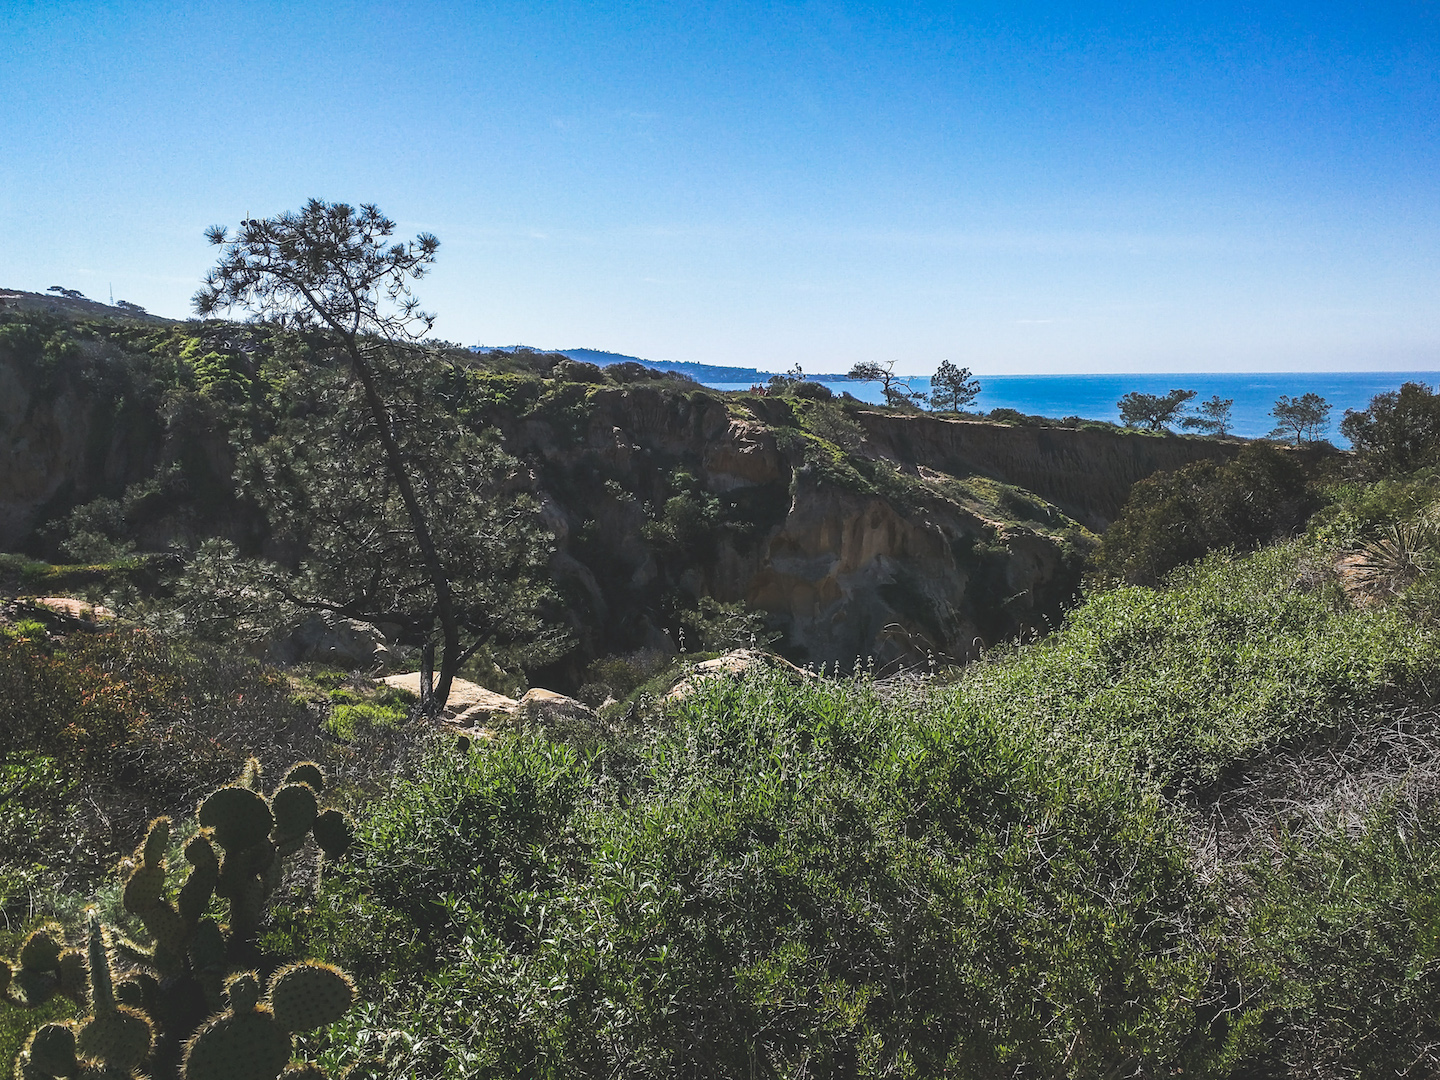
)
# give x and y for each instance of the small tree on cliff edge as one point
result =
(1213, 417)
(331, 266)
(952, 387)
(1305, 418)
(890, 384)
(1154, 412)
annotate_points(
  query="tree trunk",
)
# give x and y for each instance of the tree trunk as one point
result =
(427, 679)
(444, 607)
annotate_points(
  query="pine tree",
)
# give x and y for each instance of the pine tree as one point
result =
(952, 388)
(383, 493)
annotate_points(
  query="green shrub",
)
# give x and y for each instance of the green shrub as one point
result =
(1342, 931)
(799, 876)
(1172, 518)
(617, 676)
(1398, 433)
(347, 720)
(829, 421)
(1234, 657)
(711, 626)
(997, 877)
(1358, 512)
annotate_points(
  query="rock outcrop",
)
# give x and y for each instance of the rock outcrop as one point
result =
(896, 567)
(732, 665)
(96, 426)
(547, 706)
(327, 638)
(468, 703)
(60, 445)
(471, 705)
(1086, 472)
(851, 532)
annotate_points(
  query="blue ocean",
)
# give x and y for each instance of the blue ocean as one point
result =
(1094, 397)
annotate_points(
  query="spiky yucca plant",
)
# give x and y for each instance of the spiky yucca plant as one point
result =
(1402, 554)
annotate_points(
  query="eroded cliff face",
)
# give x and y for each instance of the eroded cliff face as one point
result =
(95, 430)
(855, 532)
(845, 569)
(1085, 472)
(64, 444)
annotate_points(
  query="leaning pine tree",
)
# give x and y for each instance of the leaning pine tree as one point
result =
(392, 500)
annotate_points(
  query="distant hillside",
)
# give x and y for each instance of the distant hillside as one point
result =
(706, 373)
(74, 307)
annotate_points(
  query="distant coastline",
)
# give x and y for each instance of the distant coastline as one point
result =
(703, 373)
(1090, 397)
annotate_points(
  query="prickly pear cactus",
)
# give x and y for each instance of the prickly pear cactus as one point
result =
(111, 1042)
(51, 1051)
(242, 1043)
(310, 995)
(183, 1010)
(333, 833)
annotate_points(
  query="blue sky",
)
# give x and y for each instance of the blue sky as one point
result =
(1015, 187)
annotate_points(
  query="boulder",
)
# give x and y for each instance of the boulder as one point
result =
(547, 705)
(732, 665)
(328, 638)
(75, 609)
(469, 704)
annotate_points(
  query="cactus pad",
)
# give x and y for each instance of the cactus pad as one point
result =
(120, 1037)
(237, 1046)
(295, 810)
(200, 852)
(242, 991)
(195, 894)
(165, 925)
(207, 946)
(334, 833)
(309, 995)
(157, 839)
(73, 975)
(31, 988)
(51, 1050)
(97, 959)
(247, 902)
(239, 867)
(239, 816)
(130, 993)
(145, 888)
(307, 772)
(41, 950)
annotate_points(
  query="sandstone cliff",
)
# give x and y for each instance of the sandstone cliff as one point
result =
(62, 444)
(853, 532)
(1087, 472)
(915, 540)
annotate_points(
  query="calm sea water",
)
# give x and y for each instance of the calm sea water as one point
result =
(1094, 397)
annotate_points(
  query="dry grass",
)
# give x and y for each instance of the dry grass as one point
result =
(1330, 782)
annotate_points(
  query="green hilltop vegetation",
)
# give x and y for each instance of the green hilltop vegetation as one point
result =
(698, 372)
(1176, 818)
